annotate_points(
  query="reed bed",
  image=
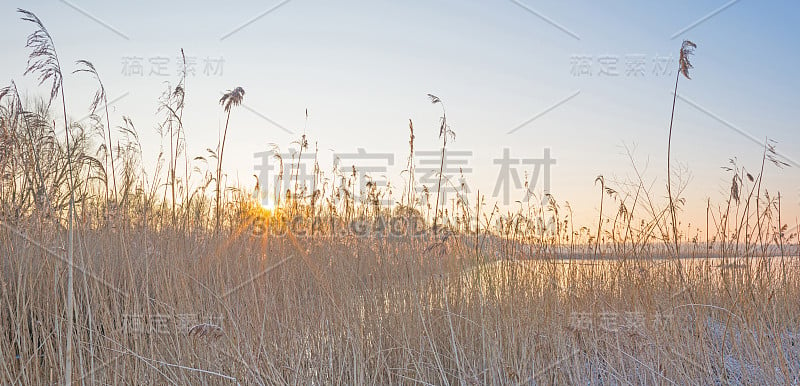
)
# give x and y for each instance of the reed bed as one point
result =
(180, 279)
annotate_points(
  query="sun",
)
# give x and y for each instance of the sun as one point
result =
(268, 206)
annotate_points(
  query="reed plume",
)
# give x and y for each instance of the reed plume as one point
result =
(687, 49)
(444, 131)
(100, 95)
(43, 60)
(230, 99)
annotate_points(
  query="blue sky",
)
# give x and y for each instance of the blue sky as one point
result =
(363, 68)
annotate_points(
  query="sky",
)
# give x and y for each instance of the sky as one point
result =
(586, 81)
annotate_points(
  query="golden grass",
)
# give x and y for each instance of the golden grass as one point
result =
(196, 290)
(159, 307)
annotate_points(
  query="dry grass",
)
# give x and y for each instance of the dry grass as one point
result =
(165, 295)
(347, 310)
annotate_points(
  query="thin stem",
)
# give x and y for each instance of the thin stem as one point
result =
(600, 219)
(219, 169)
(439, 186)
(443, 133)
(669, 172)
(110, 147)
(70, 248)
